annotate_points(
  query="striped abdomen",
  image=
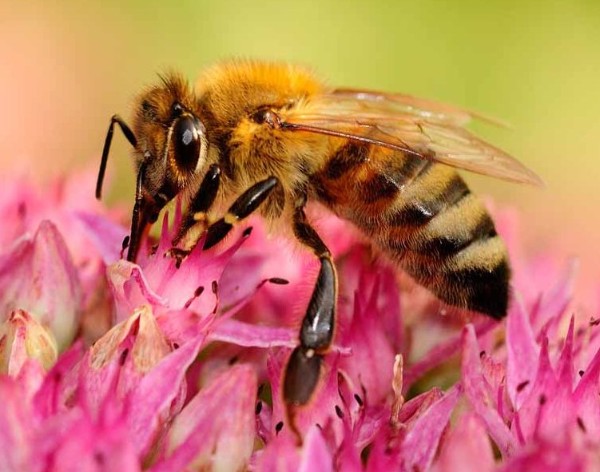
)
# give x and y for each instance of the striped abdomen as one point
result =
(425, 218)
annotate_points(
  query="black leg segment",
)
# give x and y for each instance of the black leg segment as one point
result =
(316, 334)
(138, 218)
(301, 380)
(202, 201)
(317, 325)
(130, 137)
(246, 203)
(307, 235)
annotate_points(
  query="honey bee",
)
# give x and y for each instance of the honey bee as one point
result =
(270, 137)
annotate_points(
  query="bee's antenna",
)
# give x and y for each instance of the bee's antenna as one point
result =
(130, 137)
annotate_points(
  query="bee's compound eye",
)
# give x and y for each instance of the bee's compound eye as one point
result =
(186, 136)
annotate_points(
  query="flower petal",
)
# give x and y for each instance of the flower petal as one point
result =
(441, 352)
(372, 359)
(154, 401)
(479, 394)
(16, 421)
(118, 361)
(421, 441)
(555, 300)
(467, 448)
(281, 455)
(246, 334)
(315, 454)
(131, 289)
(565, 369)
(148, 345)
(284, 455)
(159, 281)
(550, 457)
(38, 275)
(60, 384)
(523, 354)
(105, 235)
(217, 428)
(585, 398)
(23, 338)
(78, 441)
(548, 410)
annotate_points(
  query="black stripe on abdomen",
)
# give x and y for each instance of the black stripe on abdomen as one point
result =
(450, 244)
(475, 283)
(348, 157)
(386, 184)
(480, 289)
(419, 213)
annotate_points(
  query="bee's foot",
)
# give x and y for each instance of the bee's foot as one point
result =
(178, 254)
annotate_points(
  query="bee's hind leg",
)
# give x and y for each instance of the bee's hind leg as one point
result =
(316, 334)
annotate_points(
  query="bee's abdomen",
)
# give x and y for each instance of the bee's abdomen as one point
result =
(457, 254)
(426, 219)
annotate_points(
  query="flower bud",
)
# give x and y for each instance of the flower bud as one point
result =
(23, 338)
(38, 275)
(145, 342)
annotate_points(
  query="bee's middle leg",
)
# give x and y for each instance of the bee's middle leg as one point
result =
(197, 213)
(316, 334)
(242, 207)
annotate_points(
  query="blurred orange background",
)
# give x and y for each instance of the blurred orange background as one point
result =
(68, 66)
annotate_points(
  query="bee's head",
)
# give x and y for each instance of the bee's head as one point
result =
(170, 149)
(171, 140)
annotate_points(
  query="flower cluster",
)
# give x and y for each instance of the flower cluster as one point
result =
(110, 365)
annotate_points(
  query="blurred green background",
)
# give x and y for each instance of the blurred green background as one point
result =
(68, 66)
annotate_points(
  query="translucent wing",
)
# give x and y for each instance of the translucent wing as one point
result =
(421, 127)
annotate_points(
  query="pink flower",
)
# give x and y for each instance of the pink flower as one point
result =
(110, 365)
(103, 408)
(466, 448)
(70, 206)
(216, 429)
(60, 227)
(16, 431)
(529, 397)
(27, 351)
(38, 275)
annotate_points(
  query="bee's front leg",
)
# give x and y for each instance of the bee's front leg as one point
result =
(107, 141)
(316, 334)
(197, 211)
